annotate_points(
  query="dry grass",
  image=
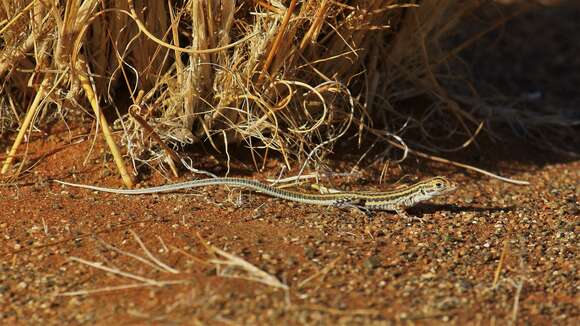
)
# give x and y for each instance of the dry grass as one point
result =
(275, 76)
(226, 264)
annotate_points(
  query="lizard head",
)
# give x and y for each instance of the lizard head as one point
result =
(436, 186)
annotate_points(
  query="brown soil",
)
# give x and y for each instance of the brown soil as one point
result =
(339, 266)
(489, 253)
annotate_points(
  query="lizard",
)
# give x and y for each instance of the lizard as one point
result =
(397, 200)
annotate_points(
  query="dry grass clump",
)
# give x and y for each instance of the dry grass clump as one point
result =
(276, 76)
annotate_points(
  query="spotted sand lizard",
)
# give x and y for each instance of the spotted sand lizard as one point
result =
(396, 200)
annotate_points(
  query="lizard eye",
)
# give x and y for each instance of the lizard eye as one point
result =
(439, 185)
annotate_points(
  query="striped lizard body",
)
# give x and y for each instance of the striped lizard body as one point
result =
(393, 200)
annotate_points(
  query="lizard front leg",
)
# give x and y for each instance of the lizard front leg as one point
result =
(403, 214)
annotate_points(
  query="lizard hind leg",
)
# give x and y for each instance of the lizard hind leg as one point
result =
(364, 209)
(356, 204)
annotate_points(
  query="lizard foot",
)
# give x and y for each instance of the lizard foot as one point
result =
(409, 218)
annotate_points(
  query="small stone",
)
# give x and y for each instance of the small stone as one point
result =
(372, 262)
(572, 209)
(309, 252)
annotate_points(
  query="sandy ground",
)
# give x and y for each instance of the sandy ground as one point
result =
(487, 253)
(491, 253)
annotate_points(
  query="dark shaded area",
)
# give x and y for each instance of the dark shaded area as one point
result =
(533, 58)
(429, 208)
(526, 72)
